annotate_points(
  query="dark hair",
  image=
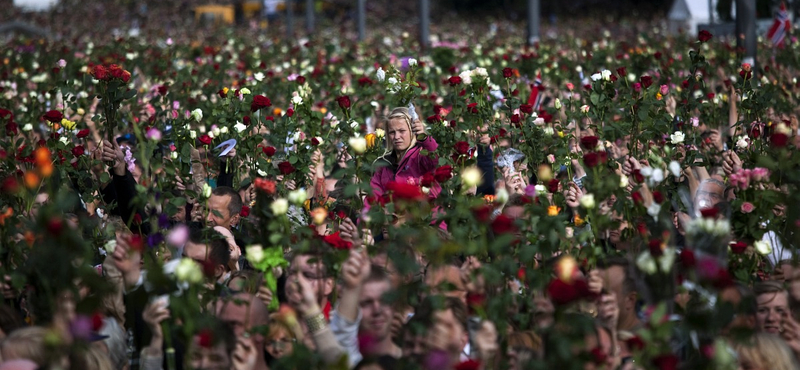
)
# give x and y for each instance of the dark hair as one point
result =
(377, 274)
(629, 281)
(516, 200)
(218, 252)
(431, 305)
(385, 362)
(235, 204)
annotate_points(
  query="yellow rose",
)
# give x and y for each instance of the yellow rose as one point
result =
(69, 125)
(371, 138)
(225, 90)
(552, 211)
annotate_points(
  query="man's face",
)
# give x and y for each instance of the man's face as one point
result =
(313, 270)
(447, 281)
(218, 214)
(446, 322)
(613, 280)
(414, 347)
(376, 314)
(772, 308)
(708, 195)
(213, 358)
(197, 252)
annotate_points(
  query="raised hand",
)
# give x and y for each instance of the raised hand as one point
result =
(573, 195)
(301, 295)
(417, 127)
(595, 282)
(349, 232)
(245, 354)
(127, 260)
(111, 153)
(355, 269)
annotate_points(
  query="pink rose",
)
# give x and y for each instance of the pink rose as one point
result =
(747, 207)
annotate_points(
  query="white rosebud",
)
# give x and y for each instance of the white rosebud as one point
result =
(596, 77)
(763, 247)
(540, 189)
(646, 171)
(245, 91)
(63, 140)
(466, 77)
(297, 197)
(110, 246)
(354, 124)
(471, 176)
(631, 77)
(239, 127)
(27, 127)
(426, 190)
(677, 137)
(197, 114)
(214, 132)
(646, 263)
(667, 259)
(606, 74)
(653, 210)
(587, 201)
(557, 103)
(549, 131)
(223, 130)
(254, 254)
(258, 76)
(743, 142)
(481, 72)
(623, 181)
(380, 74)
(193, 134)
(584, 109)
(297, 100)
(173, 155)
(261, 172)
(392, 81)
(658, 176)
(412, 62)
(380, 133)
(358, 144)
(206, 191)
(501, 196)
(189, 271)
(279, 207)
(675, 168)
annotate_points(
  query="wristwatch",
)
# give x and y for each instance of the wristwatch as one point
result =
(316, 323)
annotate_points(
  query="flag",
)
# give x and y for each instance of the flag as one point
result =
(535, 99)
(780, 27)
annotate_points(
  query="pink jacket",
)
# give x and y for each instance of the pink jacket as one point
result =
(409, 170)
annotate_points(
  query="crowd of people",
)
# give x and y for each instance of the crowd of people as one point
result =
(615, 201)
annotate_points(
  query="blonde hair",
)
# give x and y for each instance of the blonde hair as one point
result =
(26, 343)
(766, 351)
(399, 113)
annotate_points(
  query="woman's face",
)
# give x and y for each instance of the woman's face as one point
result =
(279, 344)
(399, 134)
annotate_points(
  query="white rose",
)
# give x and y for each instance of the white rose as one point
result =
(63, 140)
(189, 271)
(245, 91)
(27, 127)
(646, 171)
(653, 210)
(392, 81)
(239, 127)
(197, 114)
(223, 130)
(173, 155)
(354, 124)
(677, 137)
(412, 62)
(297, 100)
(380, 74)
(743, 142)
(667, 259)
(549, 131)
(596, 77)
(623, 181)
(193, 134)
(466, 77)
(584, 109)
(110, 246)
(358, 144)
(501, 196)
(587, 201)
(646, 263)
(658, 176)
(471, 176)
(279, 206)
(258, 76)
(380, 133)
(557, 103)
(763, 247)
(297, 197)
(254, 254)
(481, 72)
(214, 132)
(206, 191)
(675, 168)
(606, 74)
(261, 172)
(540, 189)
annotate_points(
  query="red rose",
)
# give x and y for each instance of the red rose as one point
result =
(162, 89)
(269, 118)
(205, 139)
(658, 197)
(637, 198)
(508, 72)
(265, 185)
(598, 355)
(300, 80)
(635, 343)
(779, 140)
(222, 93)
(443, 173)
(503, 225)
(687, 257)
(269, 151)
(704, 36)
(462, 147)
(668, 361)
(405, 191)
(245, 211)
(78, 151)
(589, 142)
(205, 338)
(655, 248)
(622, 72)
(472, 108)
(526, 108)
(97, 322)
(55, 226)
(746, 74)
(99, 72)
(344, 101)
(710, 95)
(710, 212)
(427, 180)
(336, 241)
(592, 159)
(9, 185)
(135, 241)
(290, 112)
(515, 119)
(469, 364)
(552, 185)
(314, 141)
(738, 247)
(434, 119)
(53, 116)
(82, 133)
(482, 213)
(259, 101)
(562, 293)
(455, 80)
(246, 120)
(657, 55)
(285, 167)
(646, 81)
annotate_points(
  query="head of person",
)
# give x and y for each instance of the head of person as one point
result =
(281, 337)
(208, 248)
(224, 207)
(772, 301)
(515, 207)
(446, 320)
(243, 312)
(247, 281)
(18, 365)
(375, 311)
(314, 269)
(618, 278)
(522, 348)
(447, 280)
(399, 136)
(709, 193)
(741, 298)
(212, 347)
(25, 344)
(765, 351)
(385, 362)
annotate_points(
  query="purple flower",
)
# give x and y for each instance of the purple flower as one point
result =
(163, 221)
(178, 235)
(81, 327)
(153, 134)
(155, 239)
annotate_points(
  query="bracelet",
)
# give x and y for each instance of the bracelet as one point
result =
(316, 323)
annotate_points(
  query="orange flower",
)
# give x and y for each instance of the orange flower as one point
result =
(29, 238)
(276, 112)
(32, 180)
(578, 220)
(46, 170)
(42, 156)
(553, 211)
(8, 213)
(319, 215)
(489, 198)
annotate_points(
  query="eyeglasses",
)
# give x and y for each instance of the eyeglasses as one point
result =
(281, 343)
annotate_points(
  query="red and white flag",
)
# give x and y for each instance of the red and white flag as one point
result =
(780, 27)
(535, 99)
